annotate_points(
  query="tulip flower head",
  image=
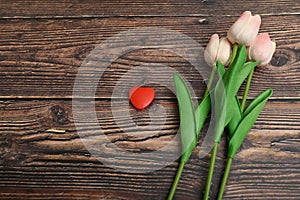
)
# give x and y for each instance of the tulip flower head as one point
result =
(262, 49)
(217, 50)
(245, 29)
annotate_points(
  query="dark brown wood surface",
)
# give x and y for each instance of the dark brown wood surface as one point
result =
(42, 46)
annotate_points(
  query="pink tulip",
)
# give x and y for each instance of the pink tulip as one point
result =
(245, 29)
(262, 49)
(217, 50)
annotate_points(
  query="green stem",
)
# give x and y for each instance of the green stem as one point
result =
(210, 171)
(224, 180)
(176, 181)
(210, 81)
(246, 90)
(234, 52)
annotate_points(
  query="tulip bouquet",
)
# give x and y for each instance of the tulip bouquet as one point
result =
(241, 51)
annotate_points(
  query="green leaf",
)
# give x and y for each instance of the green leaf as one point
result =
(247, 122)
(233, 80)
(225, 93)
(187, 118)
(262, 97)
(201, 113)
(235, 108)
(205, 106)
(219, 100)
(220, 68)
(236, 118)
(237, 65)
(240, 56)
(242, 74)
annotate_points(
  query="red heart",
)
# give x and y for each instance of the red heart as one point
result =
(141, 97)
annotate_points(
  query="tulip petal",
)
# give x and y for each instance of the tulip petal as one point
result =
(210, 53)
(270, 55)
(262, 49)
(250, 31)
(224, 51)
(238, 26)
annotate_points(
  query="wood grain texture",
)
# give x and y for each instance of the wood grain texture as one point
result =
(104, 8)
(40, 58)
(43, 149)
(34, 158)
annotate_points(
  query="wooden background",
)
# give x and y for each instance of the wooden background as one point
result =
(42, 45)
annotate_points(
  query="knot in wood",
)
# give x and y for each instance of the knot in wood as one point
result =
(59, 115)
(279, 60)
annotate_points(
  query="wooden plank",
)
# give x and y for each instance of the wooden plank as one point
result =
(36, 158)
(46, 9)
(40, 58)
(36, 194)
